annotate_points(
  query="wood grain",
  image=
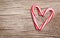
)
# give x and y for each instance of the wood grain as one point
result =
(16, 20)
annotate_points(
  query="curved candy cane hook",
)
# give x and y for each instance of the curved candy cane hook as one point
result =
(41, 14)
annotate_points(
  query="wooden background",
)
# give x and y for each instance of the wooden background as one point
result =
(16, 20)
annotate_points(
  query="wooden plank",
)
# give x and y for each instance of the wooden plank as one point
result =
(16, 20)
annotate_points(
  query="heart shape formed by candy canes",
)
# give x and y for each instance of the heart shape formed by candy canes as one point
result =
(41, 14)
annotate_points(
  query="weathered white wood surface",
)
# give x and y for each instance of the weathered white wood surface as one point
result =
(16, 20)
